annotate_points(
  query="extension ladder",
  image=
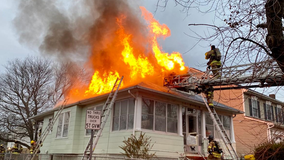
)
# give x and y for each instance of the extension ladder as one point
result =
(46, 131)
(218, 123)
(104, 116)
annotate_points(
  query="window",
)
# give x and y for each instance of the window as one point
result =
(279, 114)
(159, 116)
(63, 122)
(211, 129)
(88, 131)
(123, 114)
(268, 111)
(254, 107)
(209, 125)
(50, 124)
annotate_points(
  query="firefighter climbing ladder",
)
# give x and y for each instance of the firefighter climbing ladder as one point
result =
(46, 131)
(104, 116)
(218, 123)
(263, 74)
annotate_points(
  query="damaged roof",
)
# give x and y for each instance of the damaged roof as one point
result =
(150, 87)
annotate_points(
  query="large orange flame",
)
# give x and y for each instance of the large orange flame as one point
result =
(138, 61)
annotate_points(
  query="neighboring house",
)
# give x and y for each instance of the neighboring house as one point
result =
(177, 122)
(261, 122)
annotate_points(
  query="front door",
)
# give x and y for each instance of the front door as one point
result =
(192, 130)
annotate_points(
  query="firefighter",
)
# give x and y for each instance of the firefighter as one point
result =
(209, 95)
(17, 148)
(2, 152)
(33, 146)
(214, 62)
(214, 149)
(2, 149)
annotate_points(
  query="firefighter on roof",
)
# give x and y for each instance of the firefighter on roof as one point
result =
(214, 149)
(214, 62)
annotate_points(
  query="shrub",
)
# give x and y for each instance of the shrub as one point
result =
(138, 147)
(269, 151)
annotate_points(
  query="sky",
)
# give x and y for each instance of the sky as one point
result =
(172, 16)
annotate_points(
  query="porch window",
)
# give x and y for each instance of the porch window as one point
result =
(209, 125)
(159, 116)
(63, 123)
(211, 129)
(123, 114)
(227, 125)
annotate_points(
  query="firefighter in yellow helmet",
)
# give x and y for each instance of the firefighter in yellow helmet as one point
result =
(214, 56)
(17, 148)
(2, 152)
(33, 146)
(214, 149)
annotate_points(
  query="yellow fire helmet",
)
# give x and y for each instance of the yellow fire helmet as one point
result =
(32, 141)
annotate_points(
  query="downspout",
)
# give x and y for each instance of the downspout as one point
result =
(269, 126)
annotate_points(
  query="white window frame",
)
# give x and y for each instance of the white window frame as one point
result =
(166, 116)
(127, 114)
(62, 125)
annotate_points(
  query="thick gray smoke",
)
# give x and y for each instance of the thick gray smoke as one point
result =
(69, 30)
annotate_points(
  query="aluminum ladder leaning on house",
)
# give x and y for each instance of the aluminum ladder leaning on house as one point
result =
(104, 116)
(46, 131)
(214, 116)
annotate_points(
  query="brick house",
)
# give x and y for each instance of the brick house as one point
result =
(262, 119)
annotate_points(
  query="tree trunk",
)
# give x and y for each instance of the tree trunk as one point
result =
(274, 38)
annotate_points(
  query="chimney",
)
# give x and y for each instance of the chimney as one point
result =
(272, 96)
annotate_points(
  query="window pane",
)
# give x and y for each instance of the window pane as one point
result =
(122, 122)
(160, 123)
(227, 122)
(147, 106)
(172, 125)
(99, 108)
(147, 121)
(131, 106)
(66, 117)
(116, 109)
(59, 127)
(130, 121)
(65, 130)
(208, 119)
(58, 133)
(209, 130)
(115, 124)
(160, 109)
(123, 107)
(172, 111)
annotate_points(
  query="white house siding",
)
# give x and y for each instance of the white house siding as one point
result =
(60, 145)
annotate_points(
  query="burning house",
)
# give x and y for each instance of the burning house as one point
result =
(124, 43)
(177, 122)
